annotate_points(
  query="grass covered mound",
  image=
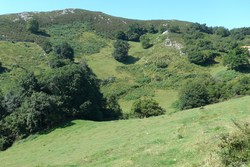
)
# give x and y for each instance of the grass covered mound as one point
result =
(188, 138)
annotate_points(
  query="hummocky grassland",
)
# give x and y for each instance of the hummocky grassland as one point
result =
(187, 138)
(178, 138)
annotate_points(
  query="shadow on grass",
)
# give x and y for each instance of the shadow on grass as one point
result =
(61, 126)
(244, 69)
(3, 69)
(42, 33)
(210, 63)
(131, 60)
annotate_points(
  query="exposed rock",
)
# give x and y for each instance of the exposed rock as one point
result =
(68, 11)
(173, 44)
(25, 16)
(165, 32)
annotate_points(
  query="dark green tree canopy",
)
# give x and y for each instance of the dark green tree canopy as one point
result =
(152, 29)
(194, 94)
(135, 31)
(64, 50)
(2, 107)
(57, 96)
(222, 31)
(202, 57)
(174, 29)
(237, 59)
(146, 107)
(121, 50)
(145, 41)
(32, 26)
(121, 35)
(47, 47)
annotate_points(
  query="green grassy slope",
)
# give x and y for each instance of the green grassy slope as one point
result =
(187, 138)
(19, 57)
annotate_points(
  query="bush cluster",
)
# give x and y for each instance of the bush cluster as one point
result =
(234, 148)
(201, 92)
(147, 107)
(60, 95)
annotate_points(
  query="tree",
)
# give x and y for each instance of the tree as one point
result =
(113, 109)
(240, 33)
(152, 29)
(201, 28)
(146, 108)
(145, 42)
(64, 50)
(47, 47)
(78, 90)
(174, 29)
(135, 31)
(221, 31)
(32, 26)
(121, 50)
(121, 35)
(56, 62)
(28, 82)
(202, 57)
(2, 107)
(194, 94)
(40, 112)
(237, 59)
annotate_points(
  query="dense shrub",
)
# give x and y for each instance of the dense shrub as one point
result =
(47, 47)
(121, 50)
(237, 59)
(146, 107)
(194, 27)
(2, 107)
(135, 31)
(194, 94)
(240, 33)
(202, 57)
(174, 29)
(64, 50)
(145, 42)
(40, 111)
(152, 29)
(56, 62)
(113, 110)
(221, 31)
(32, 26)
(59, 95)
(235, 148)
(121, 35)
(78, 89)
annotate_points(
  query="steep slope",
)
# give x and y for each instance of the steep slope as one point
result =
(187, 138)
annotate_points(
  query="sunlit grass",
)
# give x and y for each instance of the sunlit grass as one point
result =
(186, 138)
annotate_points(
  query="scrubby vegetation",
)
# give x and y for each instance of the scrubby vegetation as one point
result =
(235, 147)
(146, 108)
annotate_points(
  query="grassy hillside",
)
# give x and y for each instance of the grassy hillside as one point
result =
(187, 138)
(101, 23)
(17, 57)
(183, 138)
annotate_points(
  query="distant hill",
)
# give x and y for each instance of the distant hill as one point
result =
(102, 23)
